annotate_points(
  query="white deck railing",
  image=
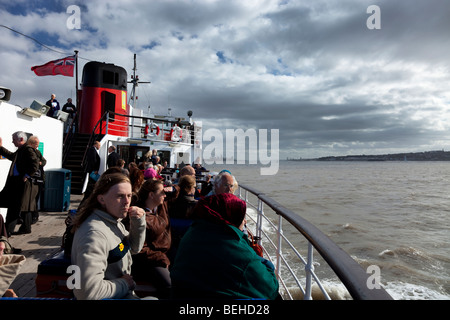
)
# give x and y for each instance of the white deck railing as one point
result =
(269, 227)
(133, 127)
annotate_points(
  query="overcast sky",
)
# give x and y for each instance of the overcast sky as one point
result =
(311, 69)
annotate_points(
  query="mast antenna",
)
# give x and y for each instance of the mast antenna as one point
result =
(135, 81)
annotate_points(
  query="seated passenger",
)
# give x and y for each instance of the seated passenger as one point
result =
(102, 247)
(215, 260)
(121, 165)
(180, 211)
(185, 202)
(10, 263)
(199, 168)
(224, 182)
(137, 179)
(151, 263)
(151, 173)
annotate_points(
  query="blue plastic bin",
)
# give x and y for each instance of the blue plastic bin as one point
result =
(57, 190)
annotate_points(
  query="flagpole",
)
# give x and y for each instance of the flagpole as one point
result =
(77, 105)
(76, 78)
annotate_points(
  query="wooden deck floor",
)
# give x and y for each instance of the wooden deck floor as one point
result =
(43, 242)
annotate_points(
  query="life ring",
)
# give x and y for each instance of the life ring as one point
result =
(155, 126)
(176, 133)
(150, 128)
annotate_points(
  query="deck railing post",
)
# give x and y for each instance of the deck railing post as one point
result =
(279, 235)
(309, 268)
(107, 124)
(259, 219)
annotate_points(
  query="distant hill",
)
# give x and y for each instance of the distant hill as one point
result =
(439, 155)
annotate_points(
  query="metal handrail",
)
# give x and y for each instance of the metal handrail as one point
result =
(68, 140)
(94, 135)
(350, 273)
(119, 123)
(110, 125)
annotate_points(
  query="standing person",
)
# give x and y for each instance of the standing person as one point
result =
(152, 263)
(154, 156)
(92, 165)
(24, 164)
(92, 158)
(38, 178)
(113, 157)
(70, 108)
(53, 104)
(102, 247)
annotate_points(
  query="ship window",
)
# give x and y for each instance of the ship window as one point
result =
(110, 77)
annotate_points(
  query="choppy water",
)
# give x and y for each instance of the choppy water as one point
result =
(392, 214)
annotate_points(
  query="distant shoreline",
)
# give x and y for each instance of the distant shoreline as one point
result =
(407, 156)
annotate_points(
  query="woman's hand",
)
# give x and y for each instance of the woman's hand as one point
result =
(136, 212)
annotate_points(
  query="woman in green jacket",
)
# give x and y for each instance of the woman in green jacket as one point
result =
(215, 260)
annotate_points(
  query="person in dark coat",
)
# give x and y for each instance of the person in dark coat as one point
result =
(180, 211)
(53, 104)
(92, 165)
(181, 208)
(18, 186)
(113, 157)
(39, 178)
(92, 158)
(70, 108)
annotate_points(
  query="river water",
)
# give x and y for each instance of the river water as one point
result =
(395, 215)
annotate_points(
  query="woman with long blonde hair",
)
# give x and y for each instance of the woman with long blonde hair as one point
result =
(102, 247)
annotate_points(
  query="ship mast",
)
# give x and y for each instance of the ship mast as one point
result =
(135, 81)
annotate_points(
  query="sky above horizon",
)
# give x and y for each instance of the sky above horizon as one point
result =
(311, 69)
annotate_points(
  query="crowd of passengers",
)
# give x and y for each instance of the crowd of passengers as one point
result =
(135, 227)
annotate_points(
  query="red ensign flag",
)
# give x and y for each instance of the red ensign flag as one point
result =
(62, 66)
